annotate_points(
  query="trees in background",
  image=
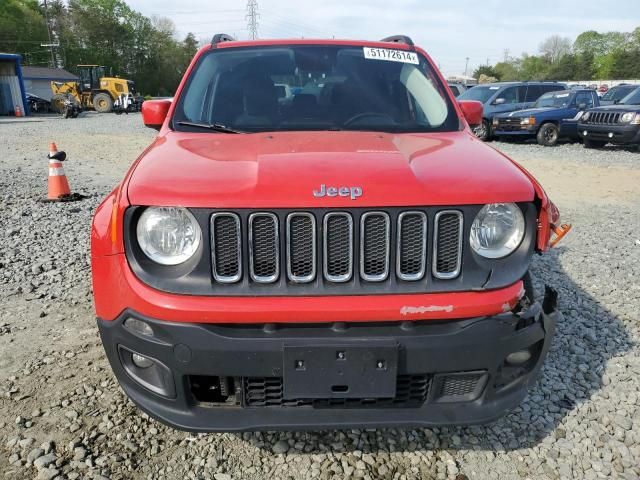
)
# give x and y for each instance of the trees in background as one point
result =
(592, 56)
(102, 32)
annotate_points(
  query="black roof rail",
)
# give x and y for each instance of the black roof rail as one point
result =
(221, 37)
(398, 39)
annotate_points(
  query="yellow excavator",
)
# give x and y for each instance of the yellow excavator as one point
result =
(96, 91)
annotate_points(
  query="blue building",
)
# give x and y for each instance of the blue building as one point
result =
(13, 101)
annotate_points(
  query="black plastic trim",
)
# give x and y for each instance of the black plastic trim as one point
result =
(432, 348)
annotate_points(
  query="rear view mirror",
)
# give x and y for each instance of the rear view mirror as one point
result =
(154, 112)
(499, 101)
(472, 111)
(582, 106)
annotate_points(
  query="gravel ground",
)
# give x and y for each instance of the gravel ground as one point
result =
(63, 416)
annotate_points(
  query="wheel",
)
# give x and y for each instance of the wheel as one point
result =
(548, 135)
(483, 131)
(102, 102)
(593, 143)
(57, 102)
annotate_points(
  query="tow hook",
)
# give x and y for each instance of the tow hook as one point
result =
(560, 232)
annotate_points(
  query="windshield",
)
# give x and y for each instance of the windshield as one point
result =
(632, 99)
(323, 87)
(553, 100)
(617, 93)
(480, 94)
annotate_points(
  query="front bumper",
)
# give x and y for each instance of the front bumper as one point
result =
(230, 377)
(619, 134)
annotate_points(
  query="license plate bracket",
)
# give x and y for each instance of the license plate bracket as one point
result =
(340, 370)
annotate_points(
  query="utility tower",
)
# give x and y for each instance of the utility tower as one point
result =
(252, 18)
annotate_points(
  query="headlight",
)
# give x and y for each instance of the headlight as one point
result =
(627, 117)
(636, 121)
(497, 230)
(168, 235)
(528, 121)
(495, 122)
(585, 116)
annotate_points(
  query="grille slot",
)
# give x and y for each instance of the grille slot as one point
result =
(374, 246)
(411, 246)
(338, 247)
(226, 251)
(411, 391)
(447, 244)
(264, 247)
(301, 247)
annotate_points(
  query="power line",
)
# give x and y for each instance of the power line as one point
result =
(252, 18)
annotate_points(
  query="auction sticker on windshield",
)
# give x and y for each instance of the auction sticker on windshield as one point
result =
(391, 55)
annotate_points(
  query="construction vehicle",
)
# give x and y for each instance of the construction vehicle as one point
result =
(94, 90)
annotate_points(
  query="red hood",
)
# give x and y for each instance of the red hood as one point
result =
(278, 170)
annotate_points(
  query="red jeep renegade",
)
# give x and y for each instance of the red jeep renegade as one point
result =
(316, 239)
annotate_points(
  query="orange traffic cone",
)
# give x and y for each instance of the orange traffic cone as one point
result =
(58, 184)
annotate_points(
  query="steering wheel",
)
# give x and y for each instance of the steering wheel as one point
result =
(362, 115)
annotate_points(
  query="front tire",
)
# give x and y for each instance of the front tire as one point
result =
(102, 103)
(593, 143)
(483, 131)
(548, 135)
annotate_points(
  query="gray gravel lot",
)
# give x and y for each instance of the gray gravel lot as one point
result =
(63, 416)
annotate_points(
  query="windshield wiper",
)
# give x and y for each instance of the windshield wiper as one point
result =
(216, 127)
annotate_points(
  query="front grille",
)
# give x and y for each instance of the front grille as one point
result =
(604, 118)
(447, 244)
(226, 247)
(411, 391)
(264, 247)
(509, 124)
(338, 247)
(324, 247)
(374, 246)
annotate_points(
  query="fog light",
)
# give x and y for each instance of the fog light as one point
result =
(611, 135)
(518, 358)
(141, 361)
(138, 326)
(585, 133)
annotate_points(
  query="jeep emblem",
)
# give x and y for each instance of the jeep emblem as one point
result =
(353, 192)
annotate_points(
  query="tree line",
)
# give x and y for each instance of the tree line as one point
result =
(592, 56)
(98, 32)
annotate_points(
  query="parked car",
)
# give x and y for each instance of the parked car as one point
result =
(554, 116)
(617, 93)
(618, 124)
(357, 263)
(506, 97)
(457, 88)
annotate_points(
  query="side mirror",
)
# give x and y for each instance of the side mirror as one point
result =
(472, 111)
(154, 113)
(499, 101)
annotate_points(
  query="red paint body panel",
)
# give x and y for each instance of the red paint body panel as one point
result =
(281, 169)
(116, 288)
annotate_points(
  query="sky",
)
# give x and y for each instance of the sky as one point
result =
(450, 31)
